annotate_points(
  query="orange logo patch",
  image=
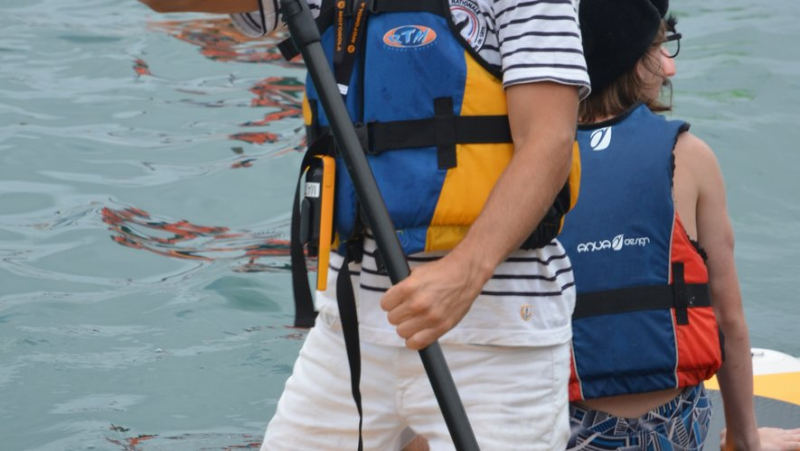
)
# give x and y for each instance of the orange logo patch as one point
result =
(409, 36)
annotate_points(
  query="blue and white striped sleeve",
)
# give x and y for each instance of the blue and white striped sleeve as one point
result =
(540, 40)
(267, 19)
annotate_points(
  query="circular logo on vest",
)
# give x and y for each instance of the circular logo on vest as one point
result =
(409, 36)
(469, 21)
(526, 312)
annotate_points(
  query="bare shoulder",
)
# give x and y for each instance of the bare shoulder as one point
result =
(692, 149)
(698, 182)
(695, 159)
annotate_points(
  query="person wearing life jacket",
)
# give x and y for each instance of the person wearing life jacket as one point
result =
(651, 246)
(466, 110)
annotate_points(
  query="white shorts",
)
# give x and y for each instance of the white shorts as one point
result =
(515, 397)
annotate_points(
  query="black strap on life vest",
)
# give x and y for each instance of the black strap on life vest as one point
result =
(445, 132)
(327, 16)
(347, 44)
(680, 295)
(304, 313)
(313, 130)
(386, 136)
(324, 20)
(345, 298)
(655, 297)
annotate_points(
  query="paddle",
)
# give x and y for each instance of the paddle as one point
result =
(297, 15)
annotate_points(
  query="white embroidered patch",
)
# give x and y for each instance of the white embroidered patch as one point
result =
(469, 21)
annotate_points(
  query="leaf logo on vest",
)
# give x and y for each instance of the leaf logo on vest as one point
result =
(617, 244)
(409, 37)
(600, 139)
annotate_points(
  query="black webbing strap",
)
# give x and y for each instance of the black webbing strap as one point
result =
(324, 20)
(327, 16)
(313, 131)
(304, 313)
(385, 136)
(347, 43)
(550, 225)
(545, 232)
(445, 132)
(681, 295)
(345, 297)
(409, 6)
(634, 299)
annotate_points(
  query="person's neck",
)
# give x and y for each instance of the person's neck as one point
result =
(600, 119)
(611, 117)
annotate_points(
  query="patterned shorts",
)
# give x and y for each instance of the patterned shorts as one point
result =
(679, 425)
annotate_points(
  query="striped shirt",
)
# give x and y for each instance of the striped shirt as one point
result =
(526, 40)
(527, 302)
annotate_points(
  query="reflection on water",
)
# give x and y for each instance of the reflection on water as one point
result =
(219, 40)
(136, 229)
(110, 126)
(180, 141)
(183, 441)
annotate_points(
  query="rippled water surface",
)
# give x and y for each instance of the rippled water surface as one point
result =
(147, 165)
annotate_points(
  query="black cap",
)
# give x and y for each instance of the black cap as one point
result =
(617, 34)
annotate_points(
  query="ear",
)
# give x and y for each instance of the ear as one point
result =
(661, 5)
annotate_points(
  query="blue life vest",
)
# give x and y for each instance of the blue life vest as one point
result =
(643, 320)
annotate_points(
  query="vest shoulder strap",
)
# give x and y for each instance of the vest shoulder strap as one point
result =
(326, 16)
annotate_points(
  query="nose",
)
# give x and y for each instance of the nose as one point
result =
(667, 65)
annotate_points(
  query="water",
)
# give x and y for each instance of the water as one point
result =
(147, 165)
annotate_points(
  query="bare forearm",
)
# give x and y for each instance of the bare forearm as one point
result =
(736, 384)
(736, 375)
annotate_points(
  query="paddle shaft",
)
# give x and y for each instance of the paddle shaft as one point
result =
(306, 37)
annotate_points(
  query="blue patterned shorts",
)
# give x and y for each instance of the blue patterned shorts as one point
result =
(679, 425)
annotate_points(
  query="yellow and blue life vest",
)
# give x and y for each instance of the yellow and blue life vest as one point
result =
(433, 120)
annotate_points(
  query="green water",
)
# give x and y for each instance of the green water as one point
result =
(144, 198)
